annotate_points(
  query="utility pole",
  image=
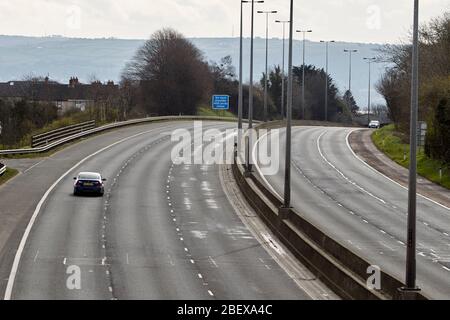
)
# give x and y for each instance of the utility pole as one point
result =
(326, 78)
(303, 70)
(267, 61)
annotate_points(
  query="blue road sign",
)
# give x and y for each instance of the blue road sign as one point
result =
(221, 102)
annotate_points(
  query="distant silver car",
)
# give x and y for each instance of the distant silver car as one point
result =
(374, 124)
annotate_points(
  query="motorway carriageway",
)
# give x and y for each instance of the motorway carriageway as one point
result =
(160, 232)
(362, 209)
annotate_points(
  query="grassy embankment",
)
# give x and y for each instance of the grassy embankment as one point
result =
(8, 175)
(208, 112)
(391, 143)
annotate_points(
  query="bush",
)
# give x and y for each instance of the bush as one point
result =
(437, 96)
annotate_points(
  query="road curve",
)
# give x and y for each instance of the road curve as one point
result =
(362, 209)
(161, 231)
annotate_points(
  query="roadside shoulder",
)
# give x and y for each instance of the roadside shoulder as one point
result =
(361, 143)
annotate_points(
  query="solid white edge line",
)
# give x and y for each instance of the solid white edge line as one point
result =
(383, 175)
(34, 166)
(18, 256)
(255, 162)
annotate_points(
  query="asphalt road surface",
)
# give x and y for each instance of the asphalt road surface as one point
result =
(160, 232)
(362, 209)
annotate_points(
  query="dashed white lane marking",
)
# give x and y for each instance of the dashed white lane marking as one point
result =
(110, 289)
(128, 259)
(64, 261)
(210, 293)
(445, 268)
(200, 276)
(213, 262)
(342, 174)
(192, 261)
(36, 256)
(186, 249)
(385, 245)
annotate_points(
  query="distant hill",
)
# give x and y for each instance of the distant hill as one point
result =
(61, 58)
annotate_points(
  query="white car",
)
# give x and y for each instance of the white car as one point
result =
(374, 124)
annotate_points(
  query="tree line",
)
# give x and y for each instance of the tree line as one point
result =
(169, 75)
(434, 91)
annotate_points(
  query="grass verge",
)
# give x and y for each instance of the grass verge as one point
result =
(8, 175)
(391, 143)
(208, 112)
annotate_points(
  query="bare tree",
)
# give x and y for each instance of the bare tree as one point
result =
(171, 73)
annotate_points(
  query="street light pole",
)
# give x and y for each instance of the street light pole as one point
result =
(350, 51)
(287, 180)
(412, 190)
(370, 60)
(250, 102)
(241, 80)
(303, 70)
(326, 78)
(282, 67)
(267, 61)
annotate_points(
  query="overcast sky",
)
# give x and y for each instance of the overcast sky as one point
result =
(345, 20)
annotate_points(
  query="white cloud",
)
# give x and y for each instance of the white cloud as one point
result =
(347, 20)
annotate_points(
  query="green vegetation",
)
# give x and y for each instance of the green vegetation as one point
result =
(392, 143)
(8, 175)
(208, 112)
